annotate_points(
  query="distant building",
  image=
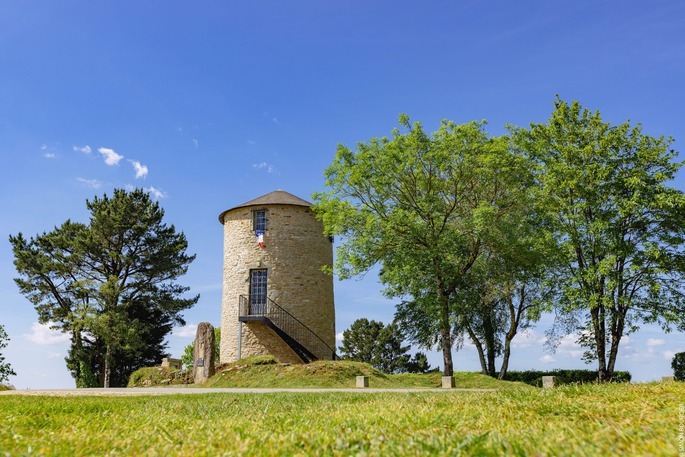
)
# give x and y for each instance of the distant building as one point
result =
(276, 298)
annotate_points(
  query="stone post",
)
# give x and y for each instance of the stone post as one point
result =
(549, 381)
(362, 381)
(203, 357)
(448, 382)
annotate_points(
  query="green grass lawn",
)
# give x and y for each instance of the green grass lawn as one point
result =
(617, 419)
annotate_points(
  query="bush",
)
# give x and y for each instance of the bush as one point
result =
(159, 376)
(534, 377)
(678, 365)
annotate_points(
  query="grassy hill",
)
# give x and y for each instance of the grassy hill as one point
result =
(265, 371)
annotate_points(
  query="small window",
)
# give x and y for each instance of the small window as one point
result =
(259, 220)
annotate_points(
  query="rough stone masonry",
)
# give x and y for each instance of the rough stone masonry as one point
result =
(203, 357)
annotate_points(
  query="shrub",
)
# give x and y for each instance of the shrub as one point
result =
(678, 365)
(159, 376)
(534, 377)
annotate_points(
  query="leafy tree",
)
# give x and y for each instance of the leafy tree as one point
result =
(359, 341)
(189, 350)
(422, 206)
(109, 284)
(678, 365)
(5, 368)
(381, 346)
(604, 195)
(419, 364)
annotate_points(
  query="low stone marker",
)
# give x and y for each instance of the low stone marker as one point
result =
(549, 381)
(667, 378)
(362, 381)
(174, 364)
(203, 357)
(448, 382)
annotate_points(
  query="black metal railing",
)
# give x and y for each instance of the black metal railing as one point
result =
(307, 344)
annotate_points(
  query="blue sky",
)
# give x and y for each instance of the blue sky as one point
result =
(210, 104)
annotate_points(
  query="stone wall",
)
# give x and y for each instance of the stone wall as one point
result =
(295, 250)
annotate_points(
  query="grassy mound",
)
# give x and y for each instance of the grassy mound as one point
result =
(265, 371)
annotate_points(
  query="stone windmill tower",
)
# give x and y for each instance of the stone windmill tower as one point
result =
(276, 298)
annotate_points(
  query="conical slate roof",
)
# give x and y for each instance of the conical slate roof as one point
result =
(277, 197)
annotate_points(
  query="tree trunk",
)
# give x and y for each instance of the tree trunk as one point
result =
(514, 319)
(446, 335)
(600, 342)
(505, 357)
(489, 330)
(479, 347)
(108, 369)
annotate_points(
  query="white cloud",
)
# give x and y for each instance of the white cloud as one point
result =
(263, 166)
(547, 359)
(187, 331)
(92, 183)
(339, 337)
(251, 142)
(527, 338)
(156, 193)
(42, 334)
(53, 355)
(668, 355)
(141, 170)
(275, 120)
(196, 143)
(84, 149)
(111, 157)
(651, 342)
(43, 147)
(49, 155)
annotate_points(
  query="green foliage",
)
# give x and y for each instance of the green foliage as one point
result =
(189, 350)
(576, 420)
(5, 368)
(678, 365)
(159, 376)
(534, 377)
(380, 346)
(423, 206)
(110, 284)
(603, 192)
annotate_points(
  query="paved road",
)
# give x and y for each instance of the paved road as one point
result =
(124, 392)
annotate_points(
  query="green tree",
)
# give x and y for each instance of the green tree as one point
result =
(380, 346)
(678, 365)
(422, 206)
(604, 195)
(359, 341)
(189, 350)
(5, 368)
(419, 364)
(110, 284)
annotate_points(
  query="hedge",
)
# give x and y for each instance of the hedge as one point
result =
(534, 378)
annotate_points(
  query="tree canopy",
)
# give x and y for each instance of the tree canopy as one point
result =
(110, 284)
(382, 347)
(423, 207)
(603, 192)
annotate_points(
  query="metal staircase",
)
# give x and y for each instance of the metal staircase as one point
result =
(301, 339)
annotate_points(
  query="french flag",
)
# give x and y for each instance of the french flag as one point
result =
(260, 237)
